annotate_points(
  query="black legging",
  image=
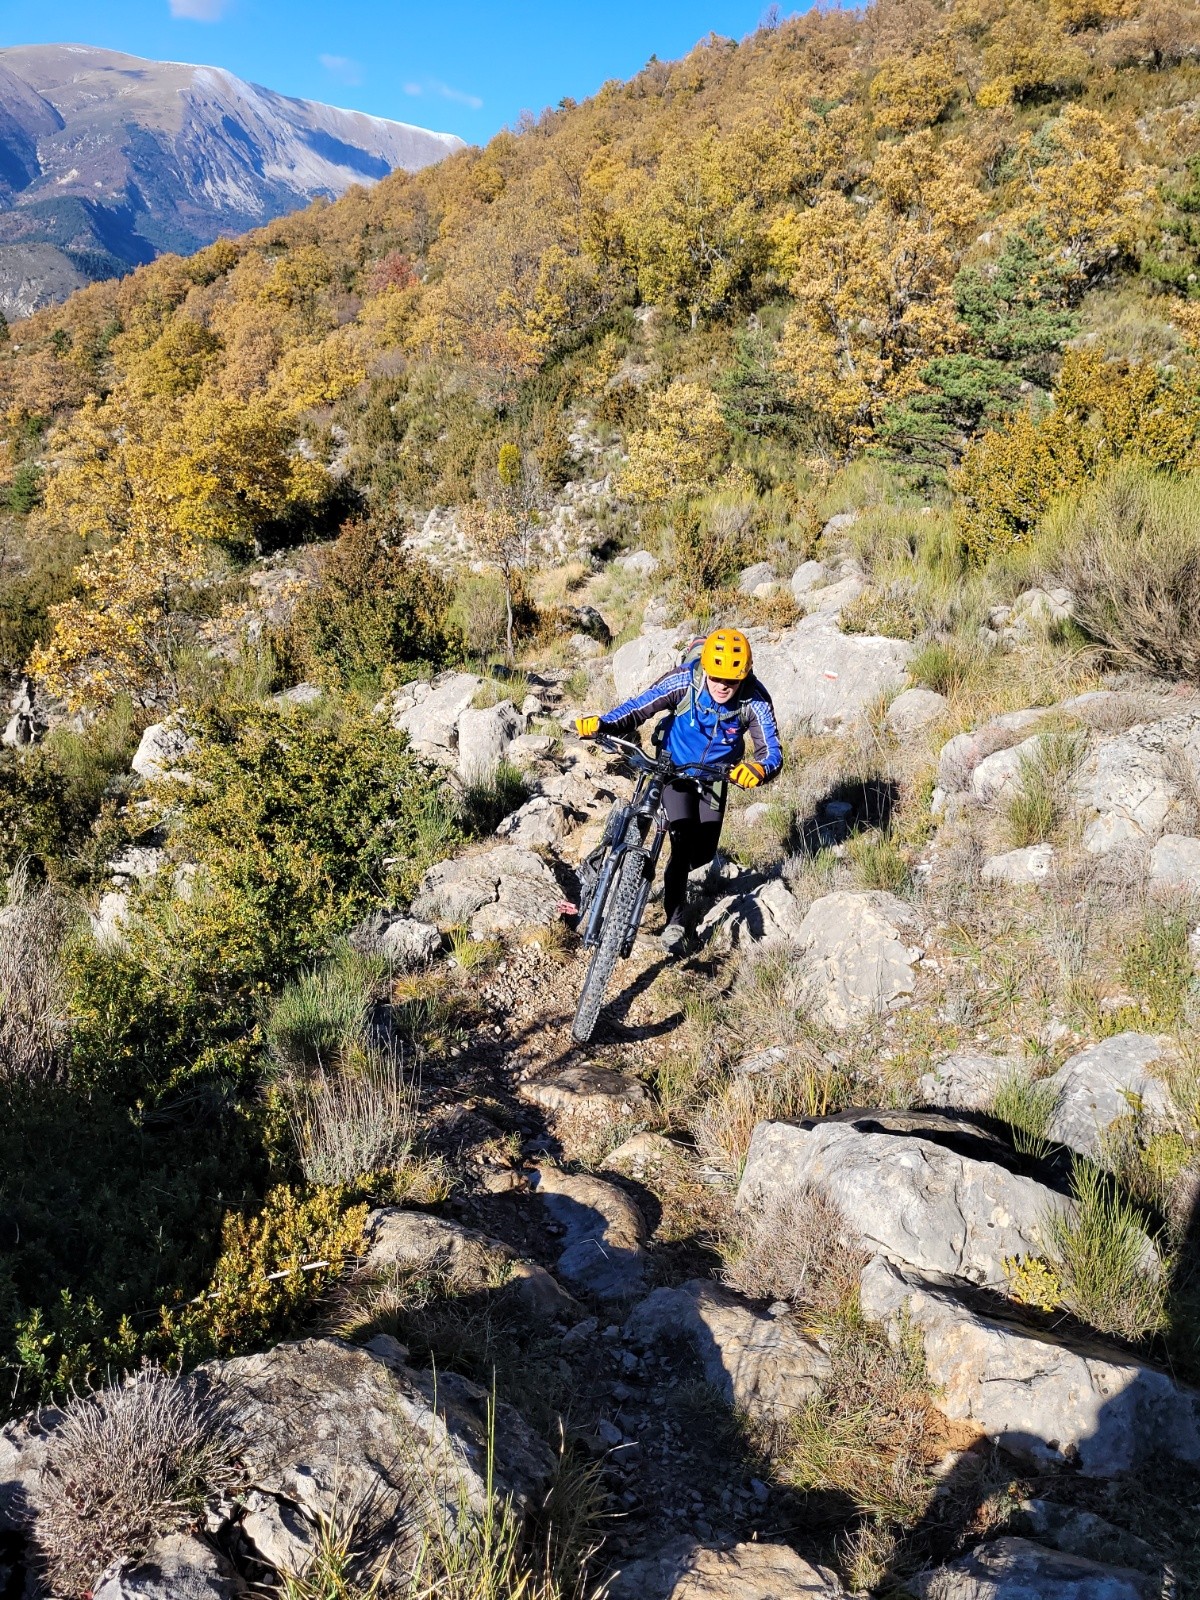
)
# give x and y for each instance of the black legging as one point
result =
(695, 832)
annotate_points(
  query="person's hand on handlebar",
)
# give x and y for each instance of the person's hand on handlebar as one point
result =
(747, 774)
(587, 727)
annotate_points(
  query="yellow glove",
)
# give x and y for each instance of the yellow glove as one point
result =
(587, 727)
(747, 774)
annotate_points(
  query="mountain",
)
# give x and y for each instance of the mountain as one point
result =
(107, 160)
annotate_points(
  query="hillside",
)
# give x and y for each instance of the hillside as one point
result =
(857, 1252)
(111, 160)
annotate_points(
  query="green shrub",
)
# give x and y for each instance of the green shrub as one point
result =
(376, 616)
(1111, 1275)
(1035, 811)
(324, 1012)
(947, 666)
(1028, 1108)
(889, 612)
(1158, 967)
(878, 862)
(1132, 559)
(487, 801)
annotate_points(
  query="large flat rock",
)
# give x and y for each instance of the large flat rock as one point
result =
(1018, 1569)
(685, 1570)
(603, 1233)
(492, 891)
(921, 1204)
(820, 678)
(860, 953)
(762, 1364)
(176, 1567)
(1045, 1398)
(1133, 787)
(1103, 1084)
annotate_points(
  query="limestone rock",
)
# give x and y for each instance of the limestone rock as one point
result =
(764, 915)
(1040, 1396)
(1030, 865)
(921, 1204)
(108, 919)
(484, 737)
(492, 892)
(584, 648)
(429, 713)
(753, 578)
(539, 822)
(419, 1243)
(914, 709)
(603, 1232)
(763, 1364)
(643, 1153)
(967, 1079)
(636, 665)
(962, 754)
(136, 863)
(300, 694)
(162, 746)
(24, 1445)
(997, 776)
(407, 942)
(1018, 1569)
(176, 1567)
(1077, 1532)
(595, 1094)
(642, 562)
(820, 678)
(1134, 786)
(1105, 1082)
(321, 1422)
(859, 954)
(809, 575)
(527, 749)
(684, 1570)
(1175, 862)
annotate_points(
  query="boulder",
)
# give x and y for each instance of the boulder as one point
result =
(176, 1567)
(495, 891)
(767, 914)
(636, 665)
(1175, 863)
(109, 918)
(962, 754)
(859, 954)
(1134, 786)
(997, 776)
(968, 1080)
(809, 575)
(405, 941)
(162, 745)
(537, 824)
(24, 1446)
(1018, 1569)
(1107, 1081)
(1028, 866)
(322, 1423)
(762, 1364)
(820, 678)
(914, 709)
(1078, 1532)
(429, 713)
(418, 1243)
(484, 737)
(832, 598)
(593, 1094)
(1040, 1395)
(587, 620)
(300, 694)
(136, 863)
(752, 578)
(643, 1153)
(642, 562)
(684, 1570)
(529, 748)
(603, 1233)
(923, 1205)
(584, 648)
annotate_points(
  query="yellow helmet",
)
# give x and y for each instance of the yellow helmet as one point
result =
(726, 654)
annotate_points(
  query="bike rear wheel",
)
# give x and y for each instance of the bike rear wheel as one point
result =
(622, 901)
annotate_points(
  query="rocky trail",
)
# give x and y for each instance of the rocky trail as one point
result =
(655, 1296)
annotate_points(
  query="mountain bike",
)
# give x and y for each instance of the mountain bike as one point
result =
(624, 864)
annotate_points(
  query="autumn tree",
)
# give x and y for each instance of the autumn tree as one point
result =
(680, 450)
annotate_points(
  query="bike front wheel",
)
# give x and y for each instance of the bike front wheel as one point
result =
(622, 902)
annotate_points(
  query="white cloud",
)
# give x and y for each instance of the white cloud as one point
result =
(199, 10)
(343, 68)
(446, 92)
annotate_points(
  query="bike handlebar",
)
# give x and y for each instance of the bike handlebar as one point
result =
(663, 765)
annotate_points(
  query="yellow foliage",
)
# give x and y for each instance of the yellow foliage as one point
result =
(1033, 1282)
(312, 375)
(1084, 194)
(1028, 55)
(259, 1282)
(678, 451)
(911, 92)
(116, 637)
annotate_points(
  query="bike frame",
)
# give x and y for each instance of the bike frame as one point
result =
(640, 825)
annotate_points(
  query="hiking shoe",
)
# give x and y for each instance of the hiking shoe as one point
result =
(672, 937)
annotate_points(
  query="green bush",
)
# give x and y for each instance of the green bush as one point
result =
(376, 616)
(1035, 811)
(1111, 1276)
(324, 1012)
(1158, 967)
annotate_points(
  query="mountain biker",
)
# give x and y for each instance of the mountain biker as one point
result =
(716, 707)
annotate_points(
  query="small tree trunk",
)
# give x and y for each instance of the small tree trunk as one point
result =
(508, 615)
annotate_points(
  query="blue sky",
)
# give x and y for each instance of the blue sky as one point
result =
(470, 67)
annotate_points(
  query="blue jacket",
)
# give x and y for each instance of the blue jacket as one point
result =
(700, 730)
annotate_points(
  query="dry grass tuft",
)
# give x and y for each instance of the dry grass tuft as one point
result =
(33, 989)
(127, 1464)
(359, 1120)
(798, 1248)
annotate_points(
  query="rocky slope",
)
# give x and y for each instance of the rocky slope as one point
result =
(106, 160)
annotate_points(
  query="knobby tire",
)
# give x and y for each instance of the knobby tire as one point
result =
(621, 900)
